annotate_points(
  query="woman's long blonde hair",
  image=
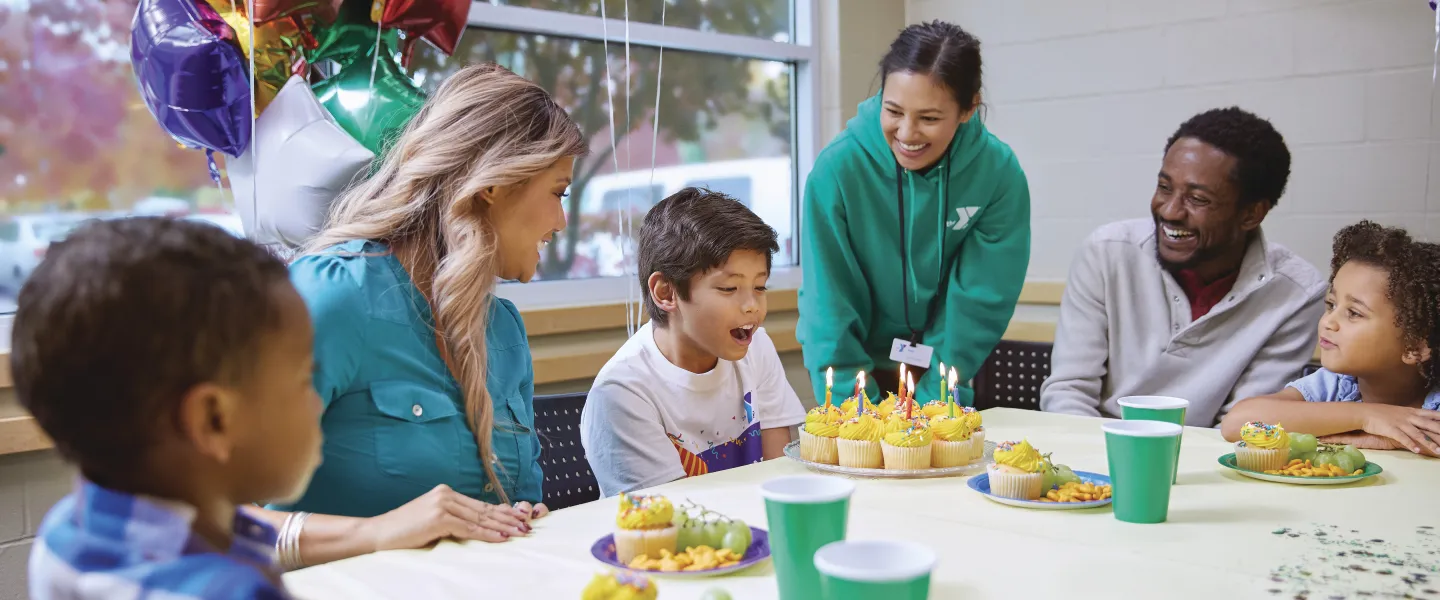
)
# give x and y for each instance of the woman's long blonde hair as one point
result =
(484, 127)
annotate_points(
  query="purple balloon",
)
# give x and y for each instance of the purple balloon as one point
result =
(190, 74)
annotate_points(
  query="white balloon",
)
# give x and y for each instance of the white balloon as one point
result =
(305, 161)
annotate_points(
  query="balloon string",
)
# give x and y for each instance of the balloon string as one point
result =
(374, 65)
(614, 156)
(655, 136)
(1434, 70)
(254, 116)
(627, 236)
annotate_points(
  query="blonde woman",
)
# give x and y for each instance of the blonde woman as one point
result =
(424, 374)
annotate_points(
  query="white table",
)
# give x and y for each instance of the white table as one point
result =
(1220, 541)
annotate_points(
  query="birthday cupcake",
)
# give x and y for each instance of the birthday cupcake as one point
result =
(935, 408)
(977, 431)
(908, 448)
(817, 437)
(643, 527)
(850, 406)
(1262, 447)
(953, 445)
(886, 408)
(1017, 472)
(859, 442)
(623, 585)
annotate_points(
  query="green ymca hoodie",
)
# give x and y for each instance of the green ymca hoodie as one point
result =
(970, 211)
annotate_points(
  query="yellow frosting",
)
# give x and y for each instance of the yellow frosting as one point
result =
(949, 429)
(864, 428)
(918, 434)
(824, 428)
(1020, 456)
(887, 406)
(1260, 435)
(971, 416)
(620, 586)
(820, 414)
(935, 408)
(848, 407)
(644, 512)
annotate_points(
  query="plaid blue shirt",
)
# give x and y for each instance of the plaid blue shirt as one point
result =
(100, 543)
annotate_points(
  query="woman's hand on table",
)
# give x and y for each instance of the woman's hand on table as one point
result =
(528, 511)
(1414, 429)
(444, 513)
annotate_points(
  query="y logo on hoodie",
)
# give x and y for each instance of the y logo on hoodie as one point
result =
(962, 219)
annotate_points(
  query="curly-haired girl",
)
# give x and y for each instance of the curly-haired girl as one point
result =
(1380, 385)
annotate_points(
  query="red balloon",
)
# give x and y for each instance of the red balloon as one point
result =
(439, 22)
(269, 10)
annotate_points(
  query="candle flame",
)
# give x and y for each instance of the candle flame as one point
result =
(829, 376)
(954, 379)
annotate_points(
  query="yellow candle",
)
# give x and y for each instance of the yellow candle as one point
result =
(942, 382)
(829, 381)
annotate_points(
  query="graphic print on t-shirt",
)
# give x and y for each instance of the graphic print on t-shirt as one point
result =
(742, 450)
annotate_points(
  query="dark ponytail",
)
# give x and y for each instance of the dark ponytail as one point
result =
(939, 49)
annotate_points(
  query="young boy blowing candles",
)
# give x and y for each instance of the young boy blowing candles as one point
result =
(700, 387)
(170, 361)
(1380, 385)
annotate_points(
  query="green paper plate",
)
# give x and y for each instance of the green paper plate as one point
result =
(1371, 470)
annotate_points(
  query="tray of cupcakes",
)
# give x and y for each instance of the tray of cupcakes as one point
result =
(894, 438)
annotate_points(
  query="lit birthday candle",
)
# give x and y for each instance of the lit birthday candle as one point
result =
(942, 382)
(829, 381)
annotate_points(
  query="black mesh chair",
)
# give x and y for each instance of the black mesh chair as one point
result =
(568, 479)
(1012, 375)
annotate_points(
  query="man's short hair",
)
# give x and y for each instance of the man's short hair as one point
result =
(1262, 161)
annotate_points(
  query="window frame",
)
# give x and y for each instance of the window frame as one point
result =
(805, 115)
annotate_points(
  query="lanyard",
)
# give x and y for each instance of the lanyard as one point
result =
(933, 308)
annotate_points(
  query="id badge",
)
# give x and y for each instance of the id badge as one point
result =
(915, 355)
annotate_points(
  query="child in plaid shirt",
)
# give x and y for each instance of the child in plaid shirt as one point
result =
(171, 362)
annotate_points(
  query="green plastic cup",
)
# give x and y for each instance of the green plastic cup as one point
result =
(852, 570)
(1142, 468)
(805, 513)
(1157, 408)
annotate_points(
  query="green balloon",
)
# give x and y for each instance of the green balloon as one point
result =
(374, 115)
(351, 37)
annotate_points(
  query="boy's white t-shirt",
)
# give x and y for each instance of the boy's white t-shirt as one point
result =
(648, 422)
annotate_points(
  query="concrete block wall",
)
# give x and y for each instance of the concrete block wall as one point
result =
(1087, 92)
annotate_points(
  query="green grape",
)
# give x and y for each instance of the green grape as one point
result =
(679, 519)
(1345, 462)
(1065, 475)
(715, 594)
(714, 534)
(738, 538)
(1302, 445)
(691, 535)
(1325, 456)
(1356, 456)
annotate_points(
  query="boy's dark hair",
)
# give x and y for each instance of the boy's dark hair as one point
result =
(692, 231)
(1262, 161)
(122, 318)
(1414, 269)
(942, 50)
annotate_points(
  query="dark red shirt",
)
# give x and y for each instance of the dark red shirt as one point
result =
(1204, 296)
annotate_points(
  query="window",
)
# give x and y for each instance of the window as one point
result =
(730, 84)
(76, 142)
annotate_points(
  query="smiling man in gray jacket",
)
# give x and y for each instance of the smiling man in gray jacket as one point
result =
(1193, 302)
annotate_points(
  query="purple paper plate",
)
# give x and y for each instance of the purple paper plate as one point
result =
(759, 551)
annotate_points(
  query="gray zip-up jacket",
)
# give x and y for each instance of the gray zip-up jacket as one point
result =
(1125, 329)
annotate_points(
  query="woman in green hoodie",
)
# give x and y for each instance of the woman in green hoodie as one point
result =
(916, 226)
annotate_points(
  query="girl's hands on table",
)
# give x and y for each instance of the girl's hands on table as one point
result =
(444, 513)
(529, 511)
(1414, 429)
